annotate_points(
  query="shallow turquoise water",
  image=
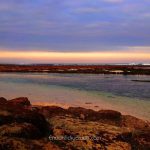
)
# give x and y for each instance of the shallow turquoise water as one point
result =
(99, 91)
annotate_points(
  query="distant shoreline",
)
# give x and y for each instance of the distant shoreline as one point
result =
(85, 69)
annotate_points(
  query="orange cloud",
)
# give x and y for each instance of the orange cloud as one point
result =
(71, 57)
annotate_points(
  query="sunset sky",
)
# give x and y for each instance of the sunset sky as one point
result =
(74, 31)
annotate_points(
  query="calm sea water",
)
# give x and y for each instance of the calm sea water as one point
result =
(99, 91)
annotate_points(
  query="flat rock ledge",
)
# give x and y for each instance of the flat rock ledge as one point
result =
(27, 127)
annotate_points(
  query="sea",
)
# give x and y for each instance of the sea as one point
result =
(124, 93)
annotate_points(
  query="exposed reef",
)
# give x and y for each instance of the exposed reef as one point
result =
(92, 69)
(27, 127)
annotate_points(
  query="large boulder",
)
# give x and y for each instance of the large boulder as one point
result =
(35, 118)
(50, 111)
(106, 116)
(25, 116)
(87, 114)
(3, 100)
(109, 114)
(22, 101)
(16, 111)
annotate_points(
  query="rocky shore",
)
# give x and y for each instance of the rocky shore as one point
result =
(92, 69)
(27, 127)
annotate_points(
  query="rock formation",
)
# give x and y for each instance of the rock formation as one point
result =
(27, 127)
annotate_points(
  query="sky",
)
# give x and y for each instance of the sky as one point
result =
(74, 31)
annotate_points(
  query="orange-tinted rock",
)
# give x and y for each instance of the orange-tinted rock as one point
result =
(133, 122)
(110, 114)
(141, 139)
(10, 143)
(50, 111)
(107, 116)
(21, 130)
(78, 111)
(14, 111)
(22, 101)
(35, 118)
(23, 126)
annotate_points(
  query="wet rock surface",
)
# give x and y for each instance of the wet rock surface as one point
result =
(27, 127)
